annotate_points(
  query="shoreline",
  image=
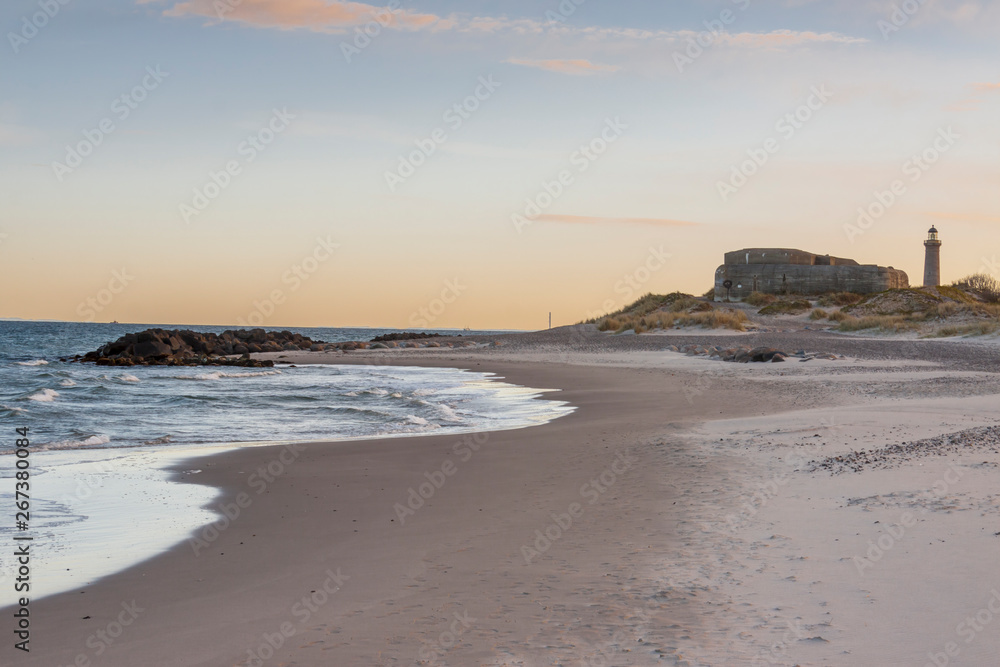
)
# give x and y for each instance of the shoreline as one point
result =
(393, 585)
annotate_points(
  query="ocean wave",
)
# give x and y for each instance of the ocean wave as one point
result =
(218, 375)
(449, 413)
(34, 362)
(12, 409)
(44, 396)
(162, 440)
(128, 378)
(419, 421)
(67, 383)
(369, 411)
(92, 441)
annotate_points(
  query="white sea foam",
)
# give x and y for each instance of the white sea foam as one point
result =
(419, 421)
(128, 378)
(67, 383)
(12, 409)
(449, 413)
(219, 375)
(35, 362)
(92, 441)
(44, 396)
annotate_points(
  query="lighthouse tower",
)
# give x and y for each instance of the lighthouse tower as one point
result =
(932, 259)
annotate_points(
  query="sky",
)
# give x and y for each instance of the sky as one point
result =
(430, 163)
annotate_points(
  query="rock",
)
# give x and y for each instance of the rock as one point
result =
(777, 358)
(151, 348)
(404, 336)
(761, 354)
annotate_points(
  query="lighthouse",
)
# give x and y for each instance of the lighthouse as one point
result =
(932, 259)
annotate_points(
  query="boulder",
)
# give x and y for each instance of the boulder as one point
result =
(151, 348)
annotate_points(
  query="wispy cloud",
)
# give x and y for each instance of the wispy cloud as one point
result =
(594, 220)
(986, 87)
(972, 103)
(314, 15)
(580, 67)
(334, 16)
(18, 135)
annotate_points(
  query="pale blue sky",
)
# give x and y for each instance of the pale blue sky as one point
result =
(559, 83)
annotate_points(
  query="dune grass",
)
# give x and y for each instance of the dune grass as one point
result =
(657, 311)
(786, 307)
(839, 299)
(760, 299)
(709, 319)
(974, 329)
(893, 323)
(838, 316)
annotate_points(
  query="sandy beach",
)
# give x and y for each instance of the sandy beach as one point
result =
(689, 512)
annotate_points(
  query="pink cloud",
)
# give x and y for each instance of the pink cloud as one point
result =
(315, 15)
(986, 87)
(575, 67)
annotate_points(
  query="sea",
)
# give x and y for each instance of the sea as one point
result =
(101, 438)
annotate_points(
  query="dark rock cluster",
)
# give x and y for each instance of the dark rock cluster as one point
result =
(745, 354)
(175, 347)
(406, 335)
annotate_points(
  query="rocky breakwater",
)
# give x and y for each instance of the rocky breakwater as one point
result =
(746, 355)
(175, 347)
